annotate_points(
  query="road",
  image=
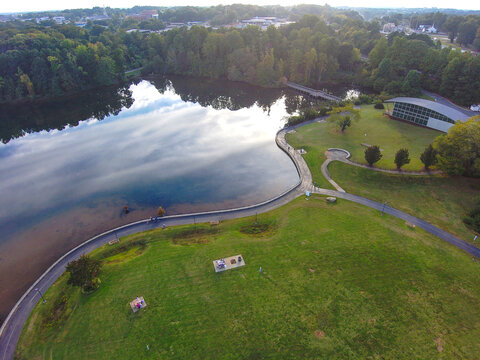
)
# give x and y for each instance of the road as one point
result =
(12, 327)
(444, 101)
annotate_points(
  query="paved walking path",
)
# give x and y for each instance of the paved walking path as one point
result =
(12, 327)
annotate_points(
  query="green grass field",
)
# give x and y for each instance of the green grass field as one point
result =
(339, 282)
(443, 201)
(389, 135)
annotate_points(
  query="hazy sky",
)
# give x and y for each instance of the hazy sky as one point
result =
(35, 5)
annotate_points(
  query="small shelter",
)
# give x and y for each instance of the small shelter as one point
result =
(137, 304)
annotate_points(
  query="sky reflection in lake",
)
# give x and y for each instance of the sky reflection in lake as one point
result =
(59, 187)
(158, 139)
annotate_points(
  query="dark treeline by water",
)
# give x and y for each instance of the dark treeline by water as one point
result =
(218, 94)
(30, 117)
(17, 120)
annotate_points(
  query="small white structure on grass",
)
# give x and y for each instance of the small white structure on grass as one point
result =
(228, 263)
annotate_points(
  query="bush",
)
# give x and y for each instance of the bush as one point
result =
(160, 211)
(84, 273)
(364, 99)
(372, 154)
(57, 312)
(307, 114)
(379, 106)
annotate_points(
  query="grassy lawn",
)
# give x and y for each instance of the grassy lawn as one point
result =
(339, 282)
(443, 201)
(390, 135)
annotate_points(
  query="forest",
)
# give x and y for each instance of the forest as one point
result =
(329, 45)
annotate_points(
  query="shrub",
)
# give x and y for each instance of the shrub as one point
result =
(372, 154)
(160, 211)
(379, 106)
(84, 273)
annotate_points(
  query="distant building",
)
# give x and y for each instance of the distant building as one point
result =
(41, 19)
(425, 113)
(59, 19)
(263, 22)
(145, 15)
(389, 27)
(98, 18)
(431, 29)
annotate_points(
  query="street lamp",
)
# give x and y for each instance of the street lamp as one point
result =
(383, 208)
(44, 301)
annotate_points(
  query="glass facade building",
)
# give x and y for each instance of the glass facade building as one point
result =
(426, 113)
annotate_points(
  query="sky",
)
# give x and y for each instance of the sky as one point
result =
(35, 5)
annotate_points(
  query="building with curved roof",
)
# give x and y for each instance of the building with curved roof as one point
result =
(426, 113)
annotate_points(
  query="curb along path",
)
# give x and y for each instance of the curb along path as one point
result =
(12, 327)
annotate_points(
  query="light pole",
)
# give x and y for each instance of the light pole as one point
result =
(44, 301)
(383, 208)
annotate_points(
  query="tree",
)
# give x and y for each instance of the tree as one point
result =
(451, 25)
(401, 158)
(372, 154)
(343, 115)
(84, 273)
(459, 149)
(378, 52)
(344, 122)
(466, 32)
(411, 84)
(160, 211)
(429, 156)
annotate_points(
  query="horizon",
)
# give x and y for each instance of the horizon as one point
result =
(23, 7)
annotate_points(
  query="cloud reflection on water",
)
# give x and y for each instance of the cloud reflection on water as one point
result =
(159, 140)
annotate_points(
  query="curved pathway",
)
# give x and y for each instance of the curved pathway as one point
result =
(12, 327)
(343, 155)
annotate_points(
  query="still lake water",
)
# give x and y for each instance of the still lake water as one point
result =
(69, 167)
(187, 146)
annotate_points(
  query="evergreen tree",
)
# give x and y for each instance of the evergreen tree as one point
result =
(372, 154)
(429, 156)
(401, 158)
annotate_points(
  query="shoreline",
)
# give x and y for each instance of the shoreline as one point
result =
(24, 306)
(28, 300)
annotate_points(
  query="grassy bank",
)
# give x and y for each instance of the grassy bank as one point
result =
(442, 201)
(338, 282)
(390, 135)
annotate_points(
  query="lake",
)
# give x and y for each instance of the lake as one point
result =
(69, 167)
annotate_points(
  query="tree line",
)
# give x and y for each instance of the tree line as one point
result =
(403, 64)
(50, 61)
(38, 61)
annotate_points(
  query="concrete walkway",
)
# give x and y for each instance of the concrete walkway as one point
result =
(12, 327)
